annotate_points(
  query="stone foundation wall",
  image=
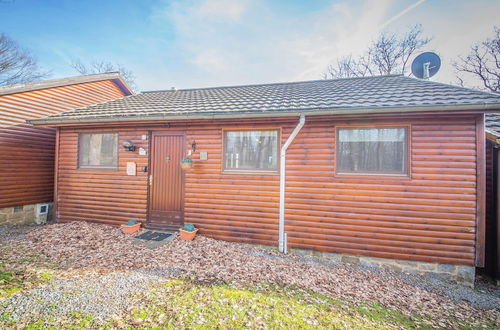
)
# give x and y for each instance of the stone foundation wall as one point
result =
(457, 273)
(20, 215)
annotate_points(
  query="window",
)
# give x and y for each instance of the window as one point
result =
(98, 150)
(375, 151)
(251, 150)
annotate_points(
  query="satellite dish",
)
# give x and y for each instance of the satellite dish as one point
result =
(425, 65)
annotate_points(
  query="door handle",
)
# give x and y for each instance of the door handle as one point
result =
(167, 159)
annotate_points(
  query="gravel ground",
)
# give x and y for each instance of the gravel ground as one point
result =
(103, 296)
(86, 248)
(480, 298)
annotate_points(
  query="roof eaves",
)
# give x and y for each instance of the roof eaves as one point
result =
(493, 136)
(124, 85)
(33, 86)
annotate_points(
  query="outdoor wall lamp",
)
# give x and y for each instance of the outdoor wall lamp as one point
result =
(193, 146)
(128, 146)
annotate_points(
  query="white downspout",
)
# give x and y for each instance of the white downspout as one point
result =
(281, 229)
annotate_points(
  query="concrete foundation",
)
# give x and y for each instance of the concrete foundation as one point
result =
(21, 215)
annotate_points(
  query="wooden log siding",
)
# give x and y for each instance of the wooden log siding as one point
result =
(27, 152)
(101, 195)
(429, 216)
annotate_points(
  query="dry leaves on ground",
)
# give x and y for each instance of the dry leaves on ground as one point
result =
(82, 245)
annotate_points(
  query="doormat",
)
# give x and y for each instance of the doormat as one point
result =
(153, 236)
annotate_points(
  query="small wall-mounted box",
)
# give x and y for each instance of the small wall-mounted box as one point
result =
(131, 168)
(42, 213)
(203, 155)
(42, 208)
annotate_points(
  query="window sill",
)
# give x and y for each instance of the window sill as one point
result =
(93, 168)
(405, 176)
(272, 172)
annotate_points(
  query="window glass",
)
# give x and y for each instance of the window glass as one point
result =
(251, 150)
(372, 150)
(98, 150)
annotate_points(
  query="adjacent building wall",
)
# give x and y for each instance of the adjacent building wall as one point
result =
(27, 152)
(492, 244)
(429, 216)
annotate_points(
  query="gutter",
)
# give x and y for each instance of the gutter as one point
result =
(481, 107)
(282, 242)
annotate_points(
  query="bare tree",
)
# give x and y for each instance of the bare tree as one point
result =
(389, 54)
(94, 67)
(482, 63)
(17, 65)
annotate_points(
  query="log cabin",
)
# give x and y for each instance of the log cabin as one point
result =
(27, 152)
(385, 171)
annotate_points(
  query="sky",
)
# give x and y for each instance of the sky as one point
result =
(202, 43)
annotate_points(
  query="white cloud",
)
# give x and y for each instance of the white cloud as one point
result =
(340, 31)
(211, 60)
(221, 8)
(221, 42)
(457, 29)
(402, 13)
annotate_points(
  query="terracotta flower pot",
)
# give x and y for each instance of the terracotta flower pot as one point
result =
(186, 166)
(187, 235)
(131, 229)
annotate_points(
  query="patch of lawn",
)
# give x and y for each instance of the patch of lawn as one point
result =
(188, 304)
(21, 273)
(10, 282)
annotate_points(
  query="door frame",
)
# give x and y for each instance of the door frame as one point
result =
(151, 135)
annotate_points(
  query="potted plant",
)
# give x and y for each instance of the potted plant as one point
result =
(186, 163)
(131, 227)
(188, 232)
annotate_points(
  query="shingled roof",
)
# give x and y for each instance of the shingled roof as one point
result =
(493, 124)
(393, 93)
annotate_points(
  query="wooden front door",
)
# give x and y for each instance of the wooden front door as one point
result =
(166, 191)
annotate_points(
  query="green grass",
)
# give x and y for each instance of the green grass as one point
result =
(19, 274)
(10, 282)
(188, 304)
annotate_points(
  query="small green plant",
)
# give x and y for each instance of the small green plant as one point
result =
(186, 160)
(131, 222)
(189, 227)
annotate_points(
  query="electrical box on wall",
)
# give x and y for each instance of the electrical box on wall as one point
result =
(131, 168)
(42, 213)
(203, 155)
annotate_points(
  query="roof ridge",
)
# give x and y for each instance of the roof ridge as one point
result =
(455, 86)
(269, 84)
